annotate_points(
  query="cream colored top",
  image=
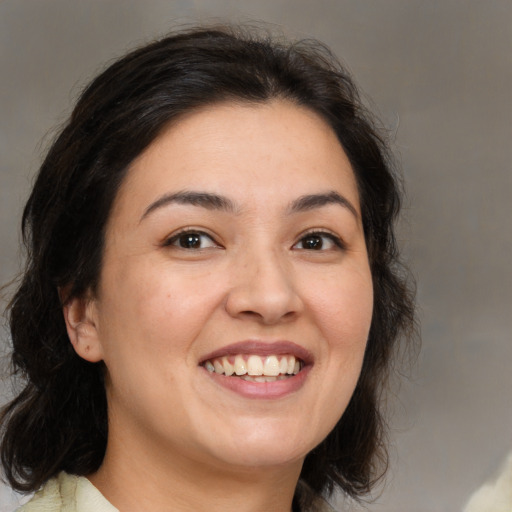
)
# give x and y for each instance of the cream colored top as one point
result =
(495, 495)
(71, 493)
(68, 493)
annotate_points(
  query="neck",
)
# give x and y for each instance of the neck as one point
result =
(148, 478)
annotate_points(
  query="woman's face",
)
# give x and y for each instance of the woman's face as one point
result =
(235, 246)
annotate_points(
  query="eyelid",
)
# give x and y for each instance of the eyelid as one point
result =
(174, 236)
(322, 232)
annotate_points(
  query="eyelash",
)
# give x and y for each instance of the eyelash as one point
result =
(172, 240)
(336, 240)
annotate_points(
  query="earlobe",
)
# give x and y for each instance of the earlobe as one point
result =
(82, 327)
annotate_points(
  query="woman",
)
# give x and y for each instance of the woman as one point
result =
(212, 294)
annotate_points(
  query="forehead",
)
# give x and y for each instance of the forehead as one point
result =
(268, 151)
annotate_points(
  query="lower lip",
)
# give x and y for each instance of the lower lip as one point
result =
(262, 390)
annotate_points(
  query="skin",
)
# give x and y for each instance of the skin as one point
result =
(177, 439)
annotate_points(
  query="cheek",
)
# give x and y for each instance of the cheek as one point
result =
(344, 306)
(343, 315)
(150, 305)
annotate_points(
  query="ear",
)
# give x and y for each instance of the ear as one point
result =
(82, 325)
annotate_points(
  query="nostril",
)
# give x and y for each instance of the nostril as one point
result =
(268, 296)
(269, 317)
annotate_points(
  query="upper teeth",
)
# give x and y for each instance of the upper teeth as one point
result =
(271, 366)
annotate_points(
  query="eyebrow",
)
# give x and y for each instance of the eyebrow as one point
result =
(312, 201)
(216, 202)
(202, 199)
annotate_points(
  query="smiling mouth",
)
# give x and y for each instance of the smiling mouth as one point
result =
(255, 368)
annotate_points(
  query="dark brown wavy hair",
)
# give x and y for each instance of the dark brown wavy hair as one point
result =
(59, 420)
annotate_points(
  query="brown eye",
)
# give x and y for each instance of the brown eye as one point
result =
(191, 240)
(312, 242)
(319, 242)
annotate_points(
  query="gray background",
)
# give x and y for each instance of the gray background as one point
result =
(440, 72)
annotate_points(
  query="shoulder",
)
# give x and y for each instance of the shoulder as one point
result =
(496, 494)
(48, 498)
(68, 493)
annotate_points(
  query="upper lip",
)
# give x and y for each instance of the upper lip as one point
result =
(262, 348)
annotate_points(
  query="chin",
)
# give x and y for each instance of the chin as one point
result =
(267, 444)
(266, 456)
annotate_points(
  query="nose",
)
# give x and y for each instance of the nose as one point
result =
(263, 289)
